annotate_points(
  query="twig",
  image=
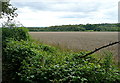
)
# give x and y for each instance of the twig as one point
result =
(97, 49)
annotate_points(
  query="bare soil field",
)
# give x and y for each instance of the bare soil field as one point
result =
(78, 41)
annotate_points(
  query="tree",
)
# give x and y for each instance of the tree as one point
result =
(7, 10)
(11, 24)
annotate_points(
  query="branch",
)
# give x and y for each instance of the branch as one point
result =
(97, 49)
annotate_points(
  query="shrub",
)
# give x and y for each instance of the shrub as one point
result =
(19, 33)
(17, 51)
(70, 71)
(28, 62)
(25, 61)
(13, 54)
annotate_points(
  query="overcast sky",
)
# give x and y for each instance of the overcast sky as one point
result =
(39, 13)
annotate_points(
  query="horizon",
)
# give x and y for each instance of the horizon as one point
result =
(67, 24)
(71, 24)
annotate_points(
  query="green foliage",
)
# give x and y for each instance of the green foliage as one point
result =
(17, 51)
(72, 70)
(15, 33)
(80, 27)
(28, 62)
(32, 63)
(7, 10)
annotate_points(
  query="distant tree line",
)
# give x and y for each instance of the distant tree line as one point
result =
(80, 27)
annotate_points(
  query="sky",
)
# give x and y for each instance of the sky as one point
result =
(42, 13)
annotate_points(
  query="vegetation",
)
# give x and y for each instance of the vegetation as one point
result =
(77, 41)
(7, 10)
(27, 61)
(80, 27)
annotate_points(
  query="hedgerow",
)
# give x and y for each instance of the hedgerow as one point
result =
(25, 61)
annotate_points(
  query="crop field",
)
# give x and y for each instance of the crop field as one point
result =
(78, 41)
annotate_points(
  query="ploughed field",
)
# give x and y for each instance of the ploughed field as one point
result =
(78, 41)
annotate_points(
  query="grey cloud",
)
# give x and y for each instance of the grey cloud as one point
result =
(76, 16)
(59, 6)
(31, 5)
(77, 7)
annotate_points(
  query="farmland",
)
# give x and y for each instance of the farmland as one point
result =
(77, 41)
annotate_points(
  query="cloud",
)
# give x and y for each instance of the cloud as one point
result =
(60, 6)
(57, 12)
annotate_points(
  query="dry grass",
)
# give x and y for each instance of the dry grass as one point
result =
(80, 41)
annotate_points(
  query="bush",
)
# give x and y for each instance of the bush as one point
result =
(19, 33)
(17, 51)
(25, 61)
(13, 55)
(72, 70)
(28, 62)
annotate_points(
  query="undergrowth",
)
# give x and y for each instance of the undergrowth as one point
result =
(26, 61)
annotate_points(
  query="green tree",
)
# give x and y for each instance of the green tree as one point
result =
(7, 10)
